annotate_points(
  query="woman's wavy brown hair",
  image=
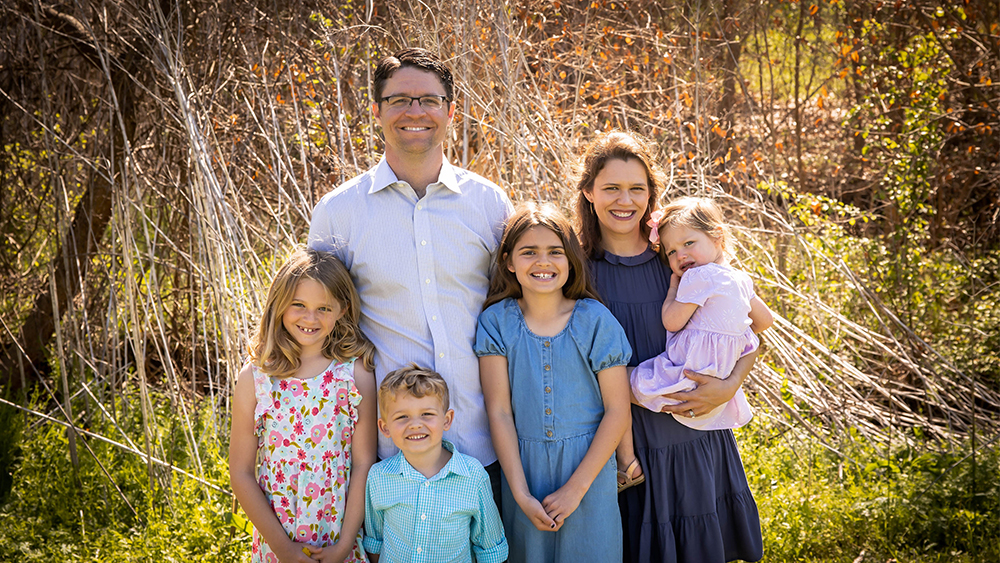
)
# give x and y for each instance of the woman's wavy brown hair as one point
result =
(272, 348)
(612, 145)
(504, 284)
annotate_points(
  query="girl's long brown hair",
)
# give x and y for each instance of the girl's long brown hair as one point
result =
(272, 348)
(504, 284)
(613, 145)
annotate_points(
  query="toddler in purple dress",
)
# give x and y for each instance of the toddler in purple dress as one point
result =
(711, 314)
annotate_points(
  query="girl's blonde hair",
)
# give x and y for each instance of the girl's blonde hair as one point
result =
(504, 284)
(698, 213)
(272, 348)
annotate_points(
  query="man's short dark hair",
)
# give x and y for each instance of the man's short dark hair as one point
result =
(412, 57)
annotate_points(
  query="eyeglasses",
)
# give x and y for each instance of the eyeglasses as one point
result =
(428, 103)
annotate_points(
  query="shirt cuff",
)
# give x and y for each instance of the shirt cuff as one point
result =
(495, 554)
(372, 545)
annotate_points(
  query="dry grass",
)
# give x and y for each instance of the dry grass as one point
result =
(239, 120)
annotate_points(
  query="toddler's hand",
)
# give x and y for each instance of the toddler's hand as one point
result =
(537, 514)
(560, 504)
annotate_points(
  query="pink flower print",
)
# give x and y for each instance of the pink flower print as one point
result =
(271, 558)
(315, 411)
(296, 387)
(312, 490)
(328, 378)
(279, 477)
(326, 392)
(303, 533)
(285, 442)
(277, 404)
(341, 397)
(346, 435)
(327, 456)
(273, 439)
(301, 454)
(299, 429)
(283, 385)
(317, 433)
(284, 502)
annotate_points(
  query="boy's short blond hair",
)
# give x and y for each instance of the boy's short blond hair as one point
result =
(414, 380)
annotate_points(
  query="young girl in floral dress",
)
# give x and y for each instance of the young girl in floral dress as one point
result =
(304, 412)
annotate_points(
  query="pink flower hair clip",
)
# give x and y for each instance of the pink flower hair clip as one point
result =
(654, 226)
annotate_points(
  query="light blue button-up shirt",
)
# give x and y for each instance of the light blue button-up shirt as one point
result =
(444, 519)
(421, 267)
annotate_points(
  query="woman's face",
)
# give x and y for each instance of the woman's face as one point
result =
(620, 197)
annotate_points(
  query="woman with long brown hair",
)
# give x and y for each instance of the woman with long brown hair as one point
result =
(692, 502)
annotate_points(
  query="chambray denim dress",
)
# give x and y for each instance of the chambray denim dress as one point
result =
(557, 408)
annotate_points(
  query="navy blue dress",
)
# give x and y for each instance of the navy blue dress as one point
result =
(695, 505)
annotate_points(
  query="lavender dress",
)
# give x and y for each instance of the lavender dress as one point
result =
(717, 335)
(695, 505)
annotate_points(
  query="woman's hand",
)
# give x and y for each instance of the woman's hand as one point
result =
(710, 393)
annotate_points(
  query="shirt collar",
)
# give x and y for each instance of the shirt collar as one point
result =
(397, 465)
(383, 177)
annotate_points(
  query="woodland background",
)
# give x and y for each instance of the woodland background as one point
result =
(159, 159)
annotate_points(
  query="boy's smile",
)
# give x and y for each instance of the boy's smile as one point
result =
(416, 425)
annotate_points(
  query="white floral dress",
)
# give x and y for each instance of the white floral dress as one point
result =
(304, 429)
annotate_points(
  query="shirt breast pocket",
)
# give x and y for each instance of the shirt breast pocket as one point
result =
(455, 521)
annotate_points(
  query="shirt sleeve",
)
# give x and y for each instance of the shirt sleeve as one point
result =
(609, 346)
(696, 286)
(488, 541)
(326, 233)
(374, 521)
(489, 338)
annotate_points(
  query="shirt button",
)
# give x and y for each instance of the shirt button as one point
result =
(434, 318)
(428, 280)
(427, 483)
(549, 433)
(419, 549)
(419, 207)
(547, 343)
(423, 243)
(548, 411)
(548, 389)
(547, 367)
(441, 355)
(423, 517)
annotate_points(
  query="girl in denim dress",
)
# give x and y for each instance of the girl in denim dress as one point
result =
(552, 363)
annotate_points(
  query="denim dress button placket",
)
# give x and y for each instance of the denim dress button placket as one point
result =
(548, 398)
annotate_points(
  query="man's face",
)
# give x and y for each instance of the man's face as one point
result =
(413, 130)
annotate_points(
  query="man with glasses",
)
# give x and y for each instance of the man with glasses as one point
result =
(417, 233)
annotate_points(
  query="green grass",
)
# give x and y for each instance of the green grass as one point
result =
(903, 505)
